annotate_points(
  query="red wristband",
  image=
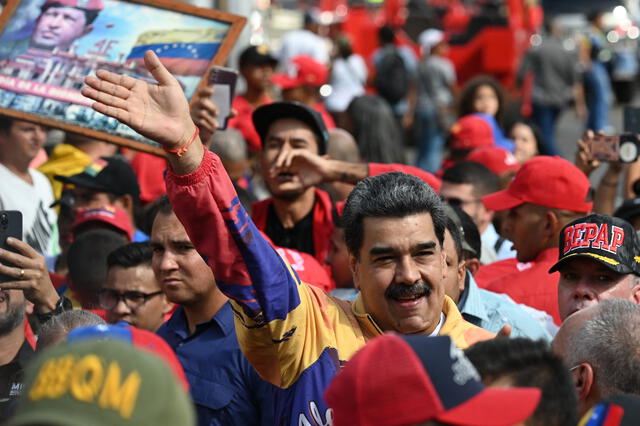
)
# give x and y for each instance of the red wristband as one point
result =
(186, 146)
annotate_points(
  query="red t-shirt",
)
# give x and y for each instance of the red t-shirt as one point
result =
(309, 270)
(500, 268)
(149, 169)
(379, 168)
(534, 286)
(243, 122)
(328, 120)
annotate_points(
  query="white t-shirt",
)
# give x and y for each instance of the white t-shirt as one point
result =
(39, 221)
(348, 77)
(303, 42)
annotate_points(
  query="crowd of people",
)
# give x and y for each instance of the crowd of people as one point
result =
(293, 269)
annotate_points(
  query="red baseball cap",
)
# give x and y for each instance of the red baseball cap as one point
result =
(494, 158)
(430, 179)
(402, 380)
(111, 215)
(469, 132)
(303, 70)
(80, 4)
(551, 182)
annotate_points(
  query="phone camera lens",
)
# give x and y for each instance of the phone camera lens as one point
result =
(4, 220)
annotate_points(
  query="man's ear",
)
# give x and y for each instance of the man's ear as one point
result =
(552, 225)
(126, 202)
(635, 292)
(354, 267)
(462, 275)
(583, 378)
(472, 265)
(87, 30)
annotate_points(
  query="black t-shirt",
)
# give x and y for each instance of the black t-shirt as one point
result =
(11, 376)
(300, 237)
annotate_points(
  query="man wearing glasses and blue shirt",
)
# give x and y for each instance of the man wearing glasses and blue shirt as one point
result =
(131, 292)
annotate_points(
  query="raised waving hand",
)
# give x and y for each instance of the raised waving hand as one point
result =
(157, 111)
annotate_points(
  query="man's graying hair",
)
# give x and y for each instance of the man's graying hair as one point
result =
(610, 342)
(56, 329)
(389, 195)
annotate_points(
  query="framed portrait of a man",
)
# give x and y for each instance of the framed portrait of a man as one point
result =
(48, 47)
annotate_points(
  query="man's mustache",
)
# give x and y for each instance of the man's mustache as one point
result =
(397, 290)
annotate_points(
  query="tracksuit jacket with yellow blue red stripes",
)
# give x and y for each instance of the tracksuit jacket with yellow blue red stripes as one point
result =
(296, 336)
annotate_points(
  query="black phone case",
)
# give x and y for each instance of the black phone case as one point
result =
(10, 226)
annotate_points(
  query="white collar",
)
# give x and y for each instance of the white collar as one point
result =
(440, 324)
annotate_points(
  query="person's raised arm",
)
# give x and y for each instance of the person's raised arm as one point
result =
(157, 111)
(274, 312)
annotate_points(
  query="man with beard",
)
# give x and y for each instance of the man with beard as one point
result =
(26, 289)
(295, 335)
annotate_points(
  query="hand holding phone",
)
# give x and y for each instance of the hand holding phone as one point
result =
(223, 81)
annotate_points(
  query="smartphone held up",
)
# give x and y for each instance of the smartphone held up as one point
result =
(10, 226)
(625, 147)
(223, 81)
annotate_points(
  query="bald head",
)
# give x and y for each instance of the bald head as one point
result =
(600, 346)
(570, 327)
(342, 146)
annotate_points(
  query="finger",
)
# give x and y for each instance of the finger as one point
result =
(104, 98)
(279, 161)
(118, 86)
(210, 123)
(505, 331)
(119, 114)
(157, 70)
(204, 124)
(23, 248)
(18, 260)
(287, 160)
(123, 81)
(15, 285)
(233, 113)
(15, 273)
(208, 106)
(205, 92)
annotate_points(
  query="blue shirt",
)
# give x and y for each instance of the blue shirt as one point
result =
(492, 311)
(490, 237)
(225, 388)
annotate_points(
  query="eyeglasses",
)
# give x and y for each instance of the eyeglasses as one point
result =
(109, 298)
(458, 202)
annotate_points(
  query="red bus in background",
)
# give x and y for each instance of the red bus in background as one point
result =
(485, 36)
